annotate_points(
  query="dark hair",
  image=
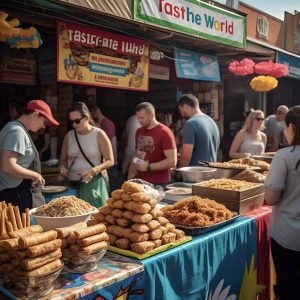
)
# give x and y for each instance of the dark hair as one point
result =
(293, 117)
(190, 100)
(146, 106)
(83, 110)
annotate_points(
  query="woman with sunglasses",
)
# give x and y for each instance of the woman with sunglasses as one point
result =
(250, 140)
(86, 152)
(282, 190)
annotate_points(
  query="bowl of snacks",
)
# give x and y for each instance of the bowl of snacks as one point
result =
(196, 174)
(62, 212)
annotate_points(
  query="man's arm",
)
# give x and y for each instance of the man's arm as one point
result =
(185, 155)
(275, 142)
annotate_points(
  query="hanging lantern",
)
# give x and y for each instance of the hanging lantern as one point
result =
(263, 83)
(242, 68)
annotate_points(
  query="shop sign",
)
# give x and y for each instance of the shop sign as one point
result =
(194, 17)
(94, 57)
(198, 66)
(292, 62)
(18, 71)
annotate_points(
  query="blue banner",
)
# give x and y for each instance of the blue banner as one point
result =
(198, 66)
(292, 62)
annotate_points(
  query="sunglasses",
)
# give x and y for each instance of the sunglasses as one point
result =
(77, 121)
(260, 119)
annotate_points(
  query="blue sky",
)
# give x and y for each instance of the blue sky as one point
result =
(274, 8)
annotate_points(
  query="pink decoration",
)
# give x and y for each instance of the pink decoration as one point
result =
(272, 69)
(279, 70)
(242, 68)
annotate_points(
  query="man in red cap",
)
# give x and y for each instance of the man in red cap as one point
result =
(19, 159)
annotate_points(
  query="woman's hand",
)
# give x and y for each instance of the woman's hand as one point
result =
(63, 171)
(88, 175)
(38, 180)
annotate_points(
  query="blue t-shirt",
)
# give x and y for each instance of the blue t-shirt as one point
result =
(202, 132)
(13, 137)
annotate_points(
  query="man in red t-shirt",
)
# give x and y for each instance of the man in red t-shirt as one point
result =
(156, 149)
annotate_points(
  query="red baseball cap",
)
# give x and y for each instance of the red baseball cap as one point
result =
(43, 108)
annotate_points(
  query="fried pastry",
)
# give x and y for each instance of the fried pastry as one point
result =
(142, 247)
(132, 187)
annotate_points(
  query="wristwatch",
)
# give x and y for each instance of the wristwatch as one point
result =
(148, 167)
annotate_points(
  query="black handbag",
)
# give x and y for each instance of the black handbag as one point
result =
(103, 173)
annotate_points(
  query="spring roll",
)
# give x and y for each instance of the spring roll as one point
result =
(65, 243)
(89, 249)
(89, 231)
(24, 220)
(26, 231)
(45, 248)
(6, 268)
(5, 257)
(12, 216)
(9, 244)
(9, 226)
(4, 234)
(66, 231)
(36, 239)
(18, 217)
(92, 222)
(71, 240)
(36, 262)
(27, 217)
(20, 254)
(93, 239)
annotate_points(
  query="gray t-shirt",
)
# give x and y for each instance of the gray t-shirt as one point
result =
(283, 176)
(202, 132)
(13, 137)
(273, 127)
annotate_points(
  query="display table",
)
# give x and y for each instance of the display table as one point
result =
(114, 277)
(218, 259)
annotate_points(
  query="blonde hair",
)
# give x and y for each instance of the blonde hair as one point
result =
(250, 119)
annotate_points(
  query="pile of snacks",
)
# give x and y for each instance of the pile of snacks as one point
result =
(197, 212)
(250, 176)
(11, 219)
(227, 184)
(228, 165)
(264, 166)
(64, 206)
(133, 221)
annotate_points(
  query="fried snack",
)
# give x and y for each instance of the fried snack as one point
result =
(5, 257)
(99, 217)
(93, 239)
(123, 222)
(117, 213)
(116, 194)
(170, 226)
(71, 240)
(138, 227)
(89, 231)
(128, 214)
(119, 204)
(227, 184)
(10, 244)
(36, 262)
(65, 243)
(123, 243)
(138, 207)
(112, 238)
(264, 166)
(105, 210)
(110, 219)
(126, 196)
(36, 239)
(45, 248)
(66, 231)
(18, 217)
(115, 230)
(155, 212)
(89, 249)
(26, 231)
(9, 226)
(110, 201)
(250, 176)
(141, 218)
(155, 234)
(169, 237)
(162, 220)
(24, 220)
(5, 268)
(142, 247)
(157, 243)
(252, 162)
(179, 233)
(136, 237)
(153, 224)
(140, 197)
(132, 187)
(12, 217)
(164, 229)
(127, 232)
(92, 222)
(153, 203)
(20, 254)
(228, 165)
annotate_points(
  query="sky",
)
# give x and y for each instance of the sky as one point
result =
(274, 8)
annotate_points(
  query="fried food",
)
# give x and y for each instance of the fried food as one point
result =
(155, 234)
(250, 176)
(132, 187)
(123, 243)
(153, 224)
(155, 212)
(142, 247)
(123, 222)
(137, 237)
(119, 204)
(228, 165)
(140, 197)
(142, 228)
(105, 210)
(141, 218)
(169, 237)
(116, 194)
(126, 196)
(263, 165)
(117, 213)
(227, 184)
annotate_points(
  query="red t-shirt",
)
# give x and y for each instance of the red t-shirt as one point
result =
(150, 145)
(108, 126)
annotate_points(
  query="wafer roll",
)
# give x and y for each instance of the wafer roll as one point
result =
(66, 231)
(45, 248)
(26, 231)
(18, 217)
(89, 249)
(36, 239)
(89, 231)
(93, 239)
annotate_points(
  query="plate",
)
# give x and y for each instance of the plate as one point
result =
(179, 185)
(200, 230)
(52, 189)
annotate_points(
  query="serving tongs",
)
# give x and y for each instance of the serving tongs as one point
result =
(203, 163)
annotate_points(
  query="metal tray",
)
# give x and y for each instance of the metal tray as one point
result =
(201, 230)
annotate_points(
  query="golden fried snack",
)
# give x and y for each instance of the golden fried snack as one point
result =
(153, 203)
(110, 201)
(99, 217)
(128, 214)
(142, 247)
(140, 197)
(123, 222)
(105, 210)
(169, 237)
(92, 222)
(65, 243)
(138, 227)
(132, 187)
(44, 248)
(179, 233)
(71, 240)
(126, 196)
(123, 243)
(162, 220)
(140, 208)
(155, 234)
(117, 213)
(119, 204)
(157, 243)
(250, 176)
(127, 232)
(115, 230)
(153, 224)
(116, 194)
(164, 230)
(89, 231)
(136, 237)
(64, 232)
(170, 226)
(112, 238)
(93, 239)
(141, 218)
(110, 219)
(155, 212)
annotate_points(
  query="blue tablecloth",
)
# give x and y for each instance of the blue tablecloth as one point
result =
(216, 262)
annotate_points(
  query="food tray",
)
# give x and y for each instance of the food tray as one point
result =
(201, 230)
(155, 251)
(53, 189)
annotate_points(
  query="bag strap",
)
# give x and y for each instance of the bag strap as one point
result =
(83, 154)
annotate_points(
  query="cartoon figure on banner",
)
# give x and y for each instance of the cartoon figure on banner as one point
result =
(63, 32)
(72, 69)
(80, 54)
(124, 294)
